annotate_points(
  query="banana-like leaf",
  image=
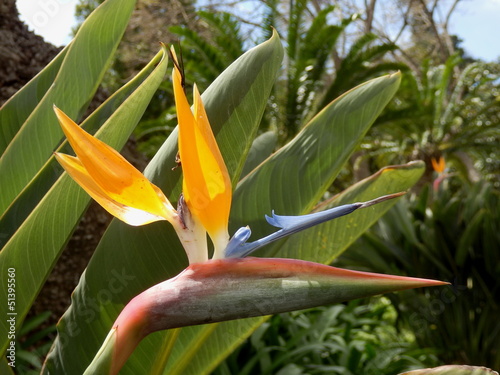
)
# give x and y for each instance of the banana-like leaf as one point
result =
(17, 109)
(453, 370)
(293, 180)
(37, 244)
(200, 349)
(76, 82)
(328, 239)
(130, 259)
(31, 195)
(262, 147)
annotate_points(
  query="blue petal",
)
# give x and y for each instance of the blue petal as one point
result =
(302, 222)
(239, 248)
(240, 237)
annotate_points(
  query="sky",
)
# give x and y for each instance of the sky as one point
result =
(474, 21)
(477, 23)
(51, 19)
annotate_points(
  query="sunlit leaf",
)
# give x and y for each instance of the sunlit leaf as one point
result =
(39, 241)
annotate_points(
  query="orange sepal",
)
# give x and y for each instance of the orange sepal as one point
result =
(206, 184)
(438, 165)
(102, 169)
(125, 213)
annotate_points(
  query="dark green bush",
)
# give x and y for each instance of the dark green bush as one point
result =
(355, 338)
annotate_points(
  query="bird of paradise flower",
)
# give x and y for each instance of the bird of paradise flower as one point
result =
(228, 286)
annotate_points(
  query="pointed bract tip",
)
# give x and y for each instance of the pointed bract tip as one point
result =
(57, 111)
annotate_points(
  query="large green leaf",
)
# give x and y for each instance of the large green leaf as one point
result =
(200, 349)
(77, 79)
(5, 368)
(37, 244)
(128, 260)
(31, 195)
(293, 180)
(262, 147)
(325, 242)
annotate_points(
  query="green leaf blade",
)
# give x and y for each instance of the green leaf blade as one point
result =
(37, 244)
(293, 180)
(36, 189)
(453, 370)
(77, 80)
(330, 239)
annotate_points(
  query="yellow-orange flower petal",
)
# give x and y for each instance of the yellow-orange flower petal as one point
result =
(127, 214)
(107, 174)
(438, 166)
(206, 185)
